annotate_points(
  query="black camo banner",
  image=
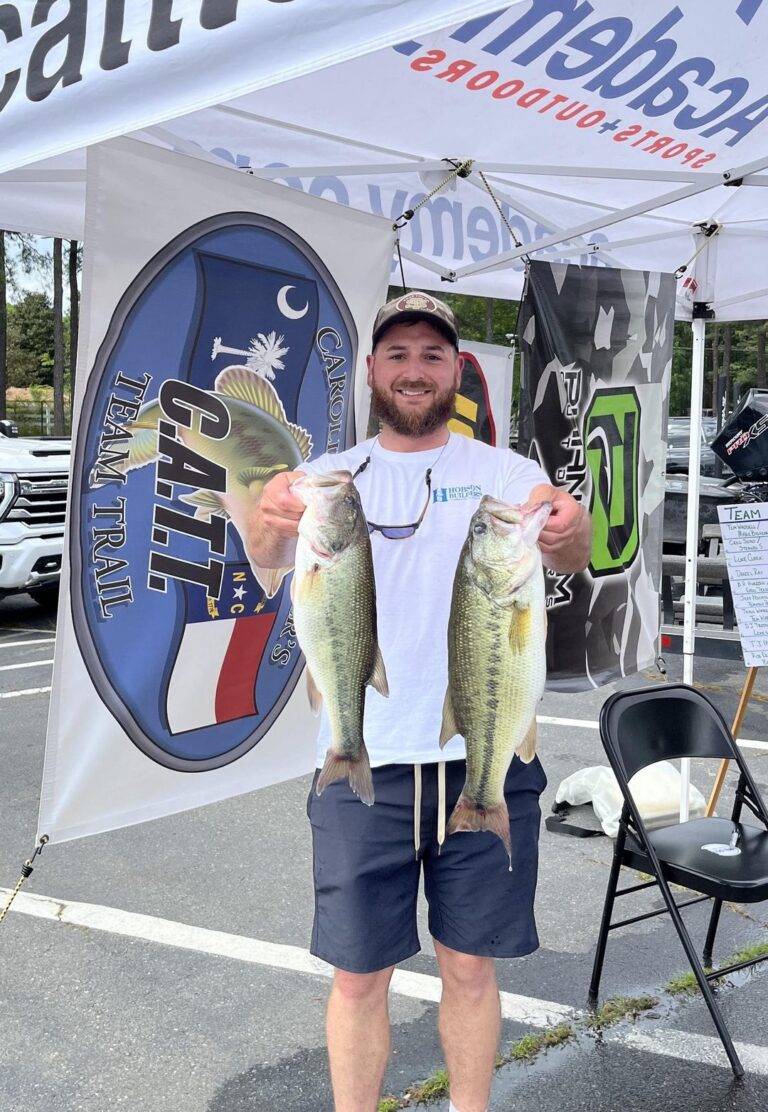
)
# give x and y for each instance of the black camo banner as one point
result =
(597, 352)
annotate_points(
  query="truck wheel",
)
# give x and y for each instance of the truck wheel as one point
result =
(47, 597)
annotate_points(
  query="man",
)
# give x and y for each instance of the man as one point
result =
(426, 481)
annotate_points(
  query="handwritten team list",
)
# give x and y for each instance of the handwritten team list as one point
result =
(745, 538)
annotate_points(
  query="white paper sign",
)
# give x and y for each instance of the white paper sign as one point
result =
(745, 538)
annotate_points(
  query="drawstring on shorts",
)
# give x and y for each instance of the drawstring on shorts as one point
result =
(417, 793)
(440, 805)
(416, 808)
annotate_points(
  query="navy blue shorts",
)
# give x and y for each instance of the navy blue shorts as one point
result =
(367, 874)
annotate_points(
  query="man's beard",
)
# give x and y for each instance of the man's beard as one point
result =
(406, 423)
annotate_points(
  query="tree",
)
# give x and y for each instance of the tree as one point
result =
(30, 341)
(74, 317)
(58, 341)
(761, 380)
(3, 328)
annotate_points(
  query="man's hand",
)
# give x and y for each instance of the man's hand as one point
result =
(566, 539)
(273, 524)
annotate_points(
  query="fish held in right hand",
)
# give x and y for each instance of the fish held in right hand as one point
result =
(334, 611)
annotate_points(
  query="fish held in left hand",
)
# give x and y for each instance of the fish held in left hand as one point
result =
(334, 611)
(496, 657)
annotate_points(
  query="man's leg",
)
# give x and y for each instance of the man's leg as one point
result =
(357, 1026)
(470, 1025)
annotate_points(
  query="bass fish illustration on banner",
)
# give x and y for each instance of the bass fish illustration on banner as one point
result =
(597, 355)
(229, 360)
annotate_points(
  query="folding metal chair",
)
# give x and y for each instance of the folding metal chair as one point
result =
(666, 722)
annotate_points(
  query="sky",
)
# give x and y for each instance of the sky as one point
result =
(35, 282)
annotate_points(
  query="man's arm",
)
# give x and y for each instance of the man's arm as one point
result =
(273, 524)
(566, 539)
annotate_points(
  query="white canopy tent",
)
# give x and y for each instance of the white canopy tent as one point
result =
(605, 132)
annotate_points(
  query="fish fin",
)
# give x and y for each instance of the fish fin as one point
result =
(526, 750)
(260, 474)
(448, 725)
(467, 816)
(269, 579)
(315, 695)
(302, 438)
(378, 676)
(520, 629)
(141, 449)
(206, 502)
(247, 386)
(356, 769)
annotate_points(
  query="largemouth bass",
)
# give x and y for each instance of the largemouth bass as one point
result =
(334, 612)
(261, 443)
(496, 657)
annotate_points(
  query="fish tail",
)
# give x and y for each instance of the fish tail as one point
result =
(356, 769)
(526, 751)
(468, 816)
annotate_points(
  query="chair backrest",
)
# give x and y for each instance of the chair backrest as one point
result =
(649, 724)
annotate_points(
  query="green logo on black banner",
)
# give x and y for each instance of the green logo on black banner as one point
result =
(612, 439)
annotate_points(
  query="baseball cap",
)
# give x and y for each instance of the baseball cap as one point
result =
(415, 306)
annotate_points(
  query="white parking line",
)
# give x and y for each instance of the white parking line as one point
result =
(419, 986)
(586, 724)
(34, 641)
(26, 691)
(671, 1043)
(704, 1049)
(24, 664)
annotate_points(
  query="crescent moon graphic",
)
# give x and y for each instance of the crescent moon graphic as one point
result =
(285, 308)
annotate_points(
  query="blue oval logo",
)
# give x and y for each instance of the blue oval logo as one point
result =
(229, 359)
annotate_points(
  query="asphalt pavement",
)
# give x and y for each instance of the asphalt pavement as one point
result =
(164, 967)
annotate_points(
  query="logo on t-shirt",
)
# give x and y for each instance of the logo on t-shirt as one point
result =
(456, 493)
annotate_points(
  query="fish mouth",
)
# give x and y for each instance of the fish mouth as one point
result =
(503, 516)
(331, 478)
(326, 482)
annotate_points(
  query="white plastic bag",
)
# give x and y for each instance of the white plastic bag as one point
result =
(656, 791)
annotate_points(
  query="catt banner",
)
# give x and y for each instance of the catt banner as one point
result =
(597, 356)
(223, 323)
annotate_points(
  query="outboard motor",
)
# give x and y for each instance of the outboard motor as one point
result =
(742, 443)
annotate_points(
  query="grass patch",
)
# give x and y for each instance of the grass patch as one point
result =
(683, 985)
(621, 1007)
(756, 950)
(686, 983)
(530, 1045)
(390, 1104)
(433, 1088)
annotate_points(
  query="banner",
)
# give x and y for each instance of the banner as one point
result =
(223, 321)
(629, 125)
(102, 69)
(597, 357)
(484, 401)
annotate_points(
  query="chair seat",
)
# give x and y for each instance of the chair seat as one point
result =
(742, 877)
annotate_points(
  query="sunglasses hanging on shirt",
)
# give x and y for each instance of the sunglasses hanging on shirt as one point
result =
(401, 532)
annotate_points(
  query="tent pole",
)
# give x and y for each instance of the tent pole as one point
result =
(692, 533)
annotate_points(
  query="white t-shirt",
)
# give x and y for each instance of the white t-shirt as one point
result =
(414, 579)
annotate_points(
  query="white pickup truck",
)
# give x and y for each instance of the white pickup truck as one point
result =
(34, 478)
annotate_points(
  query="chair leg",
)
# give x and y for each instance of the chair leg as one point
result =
(602, 938)
(714, 919)
(704, 985)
